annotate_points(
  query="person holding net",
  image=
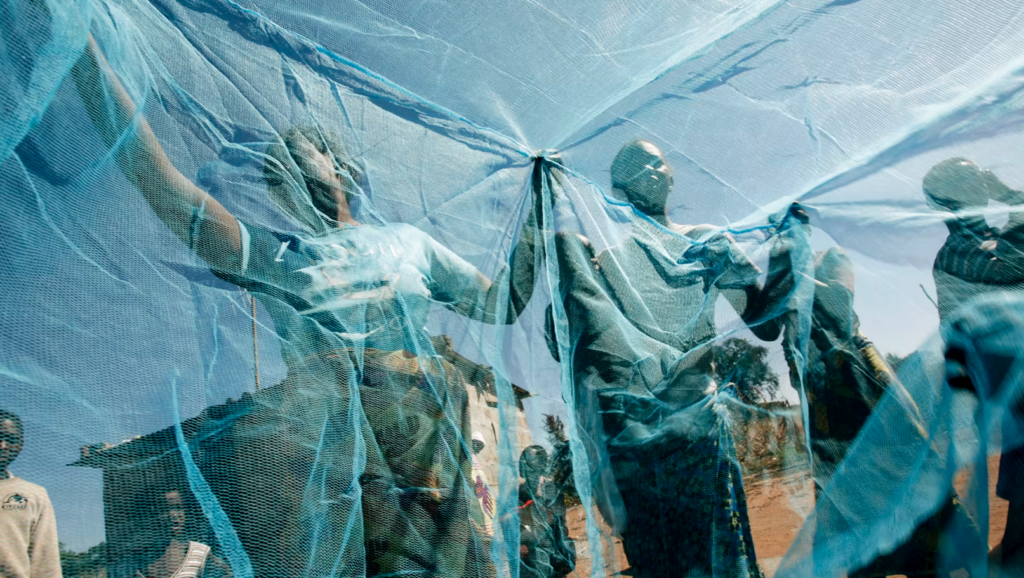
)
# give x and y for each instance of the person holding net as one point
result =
(640, 321)
(367, 473)
(845, 378)
(975, 262)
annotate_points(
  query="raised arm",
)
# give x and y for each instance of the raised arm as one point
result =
(192, 214)
(469, 292)
(760, 307)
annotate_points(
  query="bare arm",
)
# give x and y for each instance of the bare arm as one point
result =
(44, 549)
(761, 307)
(192, 214)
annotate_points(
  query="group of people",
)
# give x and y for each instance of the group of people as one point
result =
(634, 321)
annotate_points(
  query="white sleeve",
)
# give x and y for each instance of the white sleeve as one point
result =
(243, 235)
(457, 283)
(43, 549)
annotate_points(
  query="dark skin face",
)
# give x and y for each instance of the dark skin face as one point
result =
(648, 179)
(175, 514)
(330, 184)
(11, 441)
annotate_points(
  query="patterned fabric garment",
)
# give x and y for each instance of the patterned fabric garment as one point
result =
(484, 496)
(974, 260)
(967, 268)
(193, 564)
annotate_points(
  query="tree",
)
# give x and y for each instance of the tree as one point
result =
(561, 459)
(745, 365)
(88, 564)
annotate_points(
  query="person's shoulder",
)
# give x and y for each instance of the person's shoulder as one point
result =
(18, 492)
(404, 232)
(700, 232)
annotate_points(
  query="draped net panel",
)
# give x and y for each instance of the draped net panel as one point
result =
(528, 288)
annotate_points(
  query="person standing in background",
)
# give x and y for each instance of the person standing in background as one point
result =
(480, 486)
(845, 378)
(546, 550)
(978, 260)
(28, 529)
(180, 554)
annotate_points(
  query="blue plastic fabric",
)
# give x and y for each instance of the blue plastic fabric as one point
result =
(306, 395)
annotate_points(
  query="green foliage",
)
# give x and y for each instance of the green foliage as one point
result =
(745, 365)
(89, 564)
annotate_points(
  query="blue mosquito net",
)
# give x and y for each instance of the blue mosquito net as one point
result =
(524, 288)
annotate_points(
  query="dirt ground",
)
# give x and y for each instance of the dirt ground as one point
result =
(777, 508)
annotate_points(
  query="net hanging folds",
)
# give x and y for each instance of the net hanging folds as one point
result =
(526, 289)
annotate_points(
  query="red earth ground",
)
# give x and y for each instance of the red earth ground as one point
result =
(777, 507)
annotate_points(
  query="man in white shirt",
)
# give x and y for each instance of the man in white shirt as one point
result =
(28, 529)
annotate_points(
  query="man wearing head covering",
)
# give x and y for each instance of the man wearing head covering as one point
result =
(640, 328)
(845, 375)
(28, 529)
(978, 260)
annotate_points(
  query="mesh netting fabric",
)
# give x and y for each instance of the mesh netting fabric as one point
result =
(545, 288)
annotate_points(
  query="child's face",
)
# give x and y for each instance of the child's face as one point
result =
(11, 440)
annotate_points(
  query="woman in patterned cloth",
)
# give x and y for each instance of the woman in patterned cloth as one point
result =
(367, 467)
(642, 318)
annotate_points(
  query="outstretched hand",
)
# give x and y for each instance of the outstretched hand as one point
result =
(714, 251)
(794, 214)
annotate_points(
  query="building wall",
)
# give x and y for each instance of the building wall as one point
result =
(483, 411)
